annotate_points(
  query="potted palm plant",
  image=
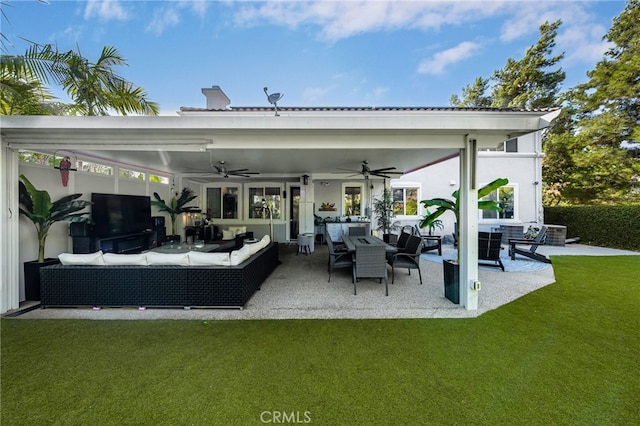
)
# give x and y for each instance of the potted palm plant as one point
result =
(443, 205)
(383, 211)
(176, 207)
(36, 205)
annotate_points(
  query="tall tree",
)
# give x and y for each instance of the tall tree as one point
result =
(524, 83)
(473, 95)
(528, 83)
(599, 153)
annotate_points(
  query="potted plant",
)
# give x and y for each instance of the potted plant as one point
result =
(36, 205)
(443, 205)
(175, 207)
(383, 211)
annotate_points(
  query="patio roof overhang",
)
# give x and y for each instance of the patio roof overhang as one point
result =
(296, 142)
(272, 145)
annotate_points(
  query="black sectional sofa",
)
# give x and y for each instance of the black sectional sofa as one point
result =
(157, 285)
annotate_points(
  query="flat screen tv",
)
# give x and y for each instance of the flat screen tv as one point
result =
(116, 214)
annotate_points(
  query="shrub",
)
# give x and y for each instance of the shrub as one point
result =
(608, 226)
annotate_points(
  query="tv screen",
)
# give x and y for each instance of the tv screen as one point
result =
(115, 214)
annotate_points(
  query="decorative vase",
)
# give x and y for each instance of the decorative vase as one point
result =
(32, 277)
(451, 270)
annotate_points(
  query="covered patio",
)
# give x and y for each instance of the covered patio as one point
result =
(313, 142)
(298, 289)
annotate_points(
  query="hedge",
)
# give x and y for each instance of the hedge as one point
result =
(605, 226)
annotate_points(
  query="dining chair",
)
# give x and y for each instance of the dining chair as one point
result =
(338, 258)
(409, 258)
(402, 240)
(370, 263)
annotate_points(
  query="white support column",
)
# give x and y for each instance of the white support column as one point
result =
(468, 226)
(306, 224)
(9, 217)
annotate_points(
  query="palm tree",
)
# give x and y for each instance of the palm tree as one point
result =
(94, 87)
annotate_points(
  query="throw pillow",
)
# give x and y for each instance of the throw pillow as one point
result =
(81, 259)
(227, 235)
(179, 259)
(216, 259)
(266, 238)
(238, 230)
(124, 259)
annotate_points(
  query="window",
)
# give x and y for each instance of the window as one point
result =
(352, 200)
(131, 174)
(222, 202)
(158, 179)
(405, 201)
(506, 198)
(272, 195)
(95, 168)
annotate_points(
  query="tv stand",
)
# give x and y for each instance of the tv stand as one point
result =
(130, 243)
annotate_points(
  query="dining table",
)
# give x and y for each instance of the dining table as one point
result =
(352, 242)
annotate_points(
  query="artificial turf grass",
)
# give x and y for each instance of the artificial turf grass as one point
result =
(564, 354)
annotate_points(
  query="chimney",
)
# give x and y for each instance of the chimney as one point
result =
(216, 99)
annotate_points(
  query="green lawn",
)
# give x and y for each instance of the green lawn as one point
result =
(566, 354)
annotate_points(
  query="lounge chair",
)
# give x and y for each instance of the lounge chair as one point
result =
(533, 246)
(489, 247)
(429, 242)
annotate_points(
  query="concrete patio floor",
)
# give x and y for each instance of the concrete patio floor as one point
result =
(298, 289)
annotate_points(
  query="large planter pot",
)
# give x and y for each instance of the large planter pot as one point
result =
(32, 277)
(451, 280)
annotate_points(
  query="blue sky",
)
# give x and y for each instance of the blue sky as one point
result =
(318, 53)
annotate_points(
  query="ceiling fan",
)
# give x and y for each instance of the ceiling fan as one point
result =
(224, 172)
(366, 171)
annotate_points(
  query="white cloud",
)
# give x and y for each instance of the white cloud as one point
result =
(583, 44)
(439, 61)
(106, 10)
(342, 19)
(312, 94)
(162, 19)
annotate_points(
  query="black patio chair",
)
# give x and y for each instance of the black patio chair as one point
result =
(489, 248)
(533, 244)
(370, 263)
(429, 242)
(402, 240)
(409, 258)
(338, 258)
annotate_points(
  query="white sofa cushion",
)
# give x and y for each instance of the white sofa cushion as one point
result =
(266, 239)
(217, 259)
(81, 259)
(237, 230)
(255, 247)
(179, 259)
(124, 259)
(239, 256)
(227, 235)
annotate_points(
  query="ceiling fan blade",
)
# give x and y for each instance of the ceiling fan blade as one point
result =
(240, 173)
(348, 170)
(237, 170)
(384, 169)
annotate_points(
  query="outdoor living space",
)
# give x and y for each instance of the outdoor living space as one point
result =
(299, 289)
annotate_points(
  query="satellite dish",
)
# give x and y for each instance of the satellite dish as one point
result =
(273, 99)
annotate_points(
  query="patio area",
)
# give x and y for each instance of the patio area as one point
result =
(298, 289)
